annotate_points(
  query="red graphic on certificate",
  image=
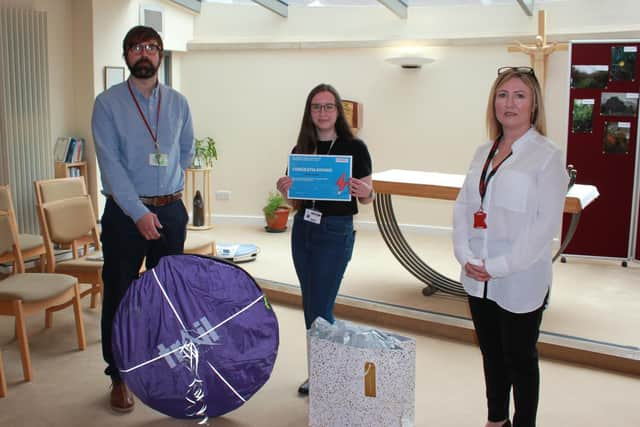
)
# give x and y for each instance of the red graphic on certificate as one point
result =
(341, 183)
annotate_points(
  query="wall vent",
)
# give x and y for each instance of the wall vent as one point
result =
(152, 16)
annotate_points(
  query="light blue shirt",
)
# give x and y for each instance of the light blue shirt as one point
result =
(124, 144)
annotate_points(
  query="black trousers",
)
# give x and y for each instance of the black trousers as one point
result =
(124, 249)
(510, 358)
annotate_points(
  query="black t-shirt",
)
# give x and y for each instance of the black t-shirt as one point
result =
(361, 167)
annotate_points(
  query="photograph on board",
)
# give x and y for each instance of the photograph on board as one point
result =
(616, 137)
(589, 76)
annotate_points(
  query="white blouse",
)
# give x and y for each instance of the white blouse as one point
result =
(523, 203)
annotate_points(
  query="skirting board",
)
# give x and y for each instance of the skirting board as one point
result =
(551, 346)
(363, 225)
(432, 230)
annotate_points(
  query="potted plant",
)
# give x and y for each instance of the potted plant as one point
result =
(276, 213)
(205, 153)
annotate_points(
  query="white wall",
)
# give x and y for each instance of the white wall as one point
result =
(247, 89)
(430, 119)
(250, 99)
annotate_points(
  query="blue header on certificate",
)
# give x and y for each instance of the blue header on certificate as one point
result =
(319, 177)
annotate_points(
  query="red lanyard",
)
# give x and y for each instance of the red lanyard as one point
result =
(153, 137)
(484, 179)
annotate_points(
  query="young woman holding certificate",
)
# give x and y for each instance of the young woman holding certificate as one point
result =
(322, 237)
(505, 218)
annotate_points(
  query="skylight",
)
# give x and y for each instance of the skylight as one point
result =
(443, 3)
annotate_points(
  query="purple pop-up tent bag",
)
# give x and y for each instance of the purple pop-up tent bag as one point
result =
(195, 337)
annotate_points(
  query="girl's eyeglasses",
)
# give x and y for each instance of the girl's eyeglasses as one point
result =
(329, 108)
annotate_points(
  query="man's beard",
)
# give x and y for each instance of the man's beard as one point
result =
(143, 69)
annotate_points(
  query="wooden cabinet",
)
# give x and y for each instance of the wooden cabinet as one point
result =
(66, 170)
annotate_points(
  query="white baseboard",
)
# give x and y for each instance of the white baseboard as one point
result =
(363, 225)
(433, 230)
(238, 219)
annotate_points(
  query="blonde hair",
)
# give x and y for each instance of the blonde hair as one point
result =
(538, 120)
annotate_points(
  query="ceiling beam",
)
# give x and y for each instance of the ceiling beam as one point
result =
(527, 6)
(194, 5)
(276, 6)
(398, 7)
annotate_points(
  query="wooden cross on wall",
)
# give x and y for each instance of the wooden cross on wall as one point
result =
(541, 50)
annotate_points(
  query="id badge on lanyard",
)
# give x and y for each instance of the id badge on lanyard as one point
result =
(480, 219)
(480, 216)
(156, 158)
(159, 159)
(312, 215)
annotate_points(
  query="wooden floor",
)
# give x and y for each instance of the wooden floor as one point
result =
(594, 302)
(594, 305)
(70, 390)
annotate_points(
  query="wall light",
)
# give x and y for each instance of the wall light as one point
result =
(410, 62)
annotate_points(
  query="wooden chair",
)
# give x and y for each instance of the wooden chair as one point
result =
(3, 381)
(67, 219)
(22, 294)
(31, 245)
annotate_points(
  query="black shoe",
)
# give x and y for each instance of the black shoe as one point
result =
(304, 388)
(507, 424)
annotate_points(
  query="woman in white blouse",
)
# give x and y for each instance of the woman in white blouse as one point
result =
(505, 218)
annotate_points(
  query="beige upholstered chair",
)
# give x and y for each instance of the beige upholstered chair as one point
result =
(31, 245)
(67, 219)
(50, 190)
(22, 294)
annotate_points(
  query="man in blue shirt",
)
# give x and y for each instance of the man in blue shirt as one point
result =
(144, 140)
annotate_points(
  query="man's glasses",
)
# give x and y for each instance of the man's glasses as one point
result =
(147, 47)
(519, 70)
(329, 108)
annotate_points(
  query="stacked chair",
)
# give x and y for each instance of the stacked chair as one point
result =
(56, 200)
(67, 219)
(22, 294)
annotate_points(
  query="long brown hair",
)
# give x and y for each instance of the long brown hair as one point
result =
(308, 136)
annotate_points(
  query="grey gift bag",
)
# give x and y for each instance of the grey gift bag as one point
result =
(360, 376)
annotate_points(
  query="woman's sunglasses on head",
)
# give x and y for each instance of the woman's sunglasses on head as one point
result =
(519, 70)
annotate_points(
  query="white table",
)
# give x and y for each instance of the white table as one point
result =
(443, 186)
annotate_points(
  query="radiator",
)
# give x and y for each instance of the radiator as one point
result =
(26, 149)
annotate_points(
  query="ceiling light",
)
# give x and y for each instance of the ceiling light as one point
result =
(410, 62)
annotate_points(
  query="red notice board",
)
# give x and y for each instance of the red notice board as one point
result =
(605, 78)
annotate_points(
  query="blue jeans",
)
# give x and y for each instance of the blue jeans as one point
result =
(321, 253)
